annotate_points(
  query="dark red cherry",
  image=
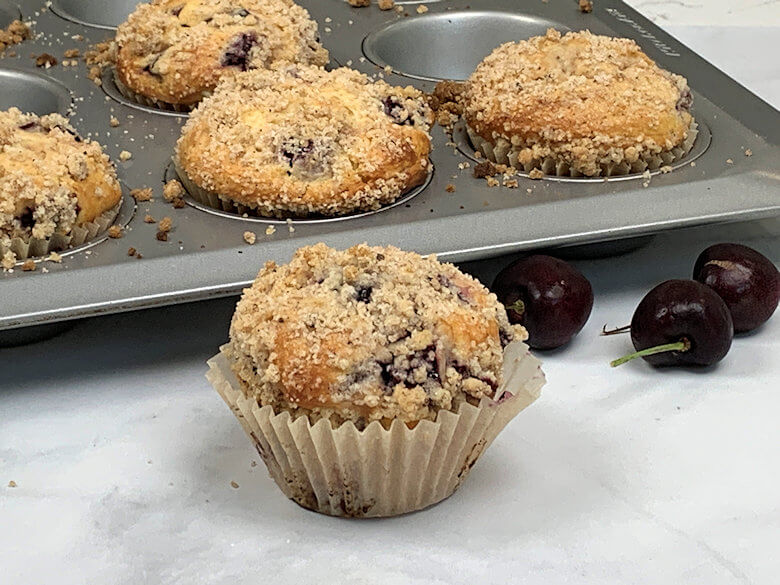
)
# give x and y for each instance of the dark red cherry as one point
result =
(746, 280)
(680, 323)
(548, 296)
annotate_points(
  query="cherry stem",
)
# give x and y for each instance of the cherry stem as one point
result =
(518, 307)
(682, 345)
(623, 329)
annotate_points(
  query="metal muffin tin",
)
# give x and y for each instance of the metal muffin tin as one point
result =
(206, 256)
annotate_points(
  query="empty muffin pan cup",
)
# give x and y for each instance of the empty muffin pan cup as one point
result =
(206, 252)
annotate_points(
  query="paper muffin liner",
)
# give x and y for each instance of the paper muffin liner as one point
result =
(378, 472)
(505, 153)
(150, 102)
(215, 201)
(35, 247)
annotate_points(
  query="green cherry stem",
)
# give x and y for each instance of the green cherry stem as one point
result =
(518, 307)
(682, 345)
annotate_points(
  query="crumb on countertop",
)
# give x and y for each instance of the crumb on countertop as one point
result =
(12, 484)
(131, 251)
(234, 485)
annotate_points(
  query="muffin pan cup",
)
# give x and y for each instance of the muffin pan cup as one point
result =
(378, 472)
(455, 215)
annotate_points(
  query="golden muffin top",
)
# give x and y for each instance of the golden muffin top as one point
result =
(176, 51)
(50, 178)
(303, 139)
(369, 333)
(578, 91)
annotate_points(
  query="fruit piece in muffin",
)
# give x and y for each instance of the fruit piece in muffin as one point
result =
(370, 333)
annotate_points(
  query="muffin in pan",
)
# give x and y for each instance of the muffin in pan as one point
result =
(298, 141)
(578, 104)
(372, 379)
(172, 53)
(56, 188)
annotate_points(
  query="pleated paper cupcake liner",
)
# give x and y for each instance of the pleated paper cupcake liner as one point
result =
(36, 247)
(378, 472)
(505, 153)
(215, 201)
(150, 102)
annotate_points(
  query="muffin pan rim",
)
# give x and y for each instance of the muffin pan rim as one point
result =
(556, 213)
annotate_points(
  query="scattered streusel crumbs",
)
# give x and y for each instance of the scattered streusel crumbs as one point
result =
(54, 257)
(492, 182)
(729, 161)
(665, 169)
(536, 174)
(162, 236)
(8, 261)
(113, 122)
(94, 75)
(115, 232)
(586, 6)
(359, 3)
(422, 9)
(485, 169)
(29, 265)
(125, 156)
(144, 194)
(131, 251)
(172, 190)
(250, 237)
(72, 53)
(166, 223)
(12, 484)
(270, 230)
(511, 183)
(149, 219)
(14, 34)
(290, 226)
(386, 4)
(748, 152)
(45, 60)
(234, 485)
(178, 203)
(450, 188)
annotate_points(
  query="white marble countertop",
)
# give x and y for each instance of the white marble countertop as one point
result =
(123, 456)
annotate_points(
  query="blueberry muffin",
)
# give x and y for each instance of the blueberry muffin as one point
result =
(577, 104)
(300, 140)
(371, 380)
(56, 189)
(172, 53)
(368, 334)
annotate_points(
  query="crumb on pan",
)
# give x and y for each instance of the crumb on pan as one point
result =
(45, 60)
(144, 194)
(8, 261)
(270, 230)
(115, 232)
(54, 257)
(359, 3)
(173, 190)
(166, 223)
(149, 219)
(29, 265)
(250, 237)
(485, 169)
(422, 9)
(586, 6)
(386, 4)
(131, 251)
(450, 188)
(125, 156)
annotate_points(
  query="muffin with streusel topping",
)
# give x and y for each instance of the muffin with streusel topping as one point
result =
(56, 188)
(372, 379)
(298, 141)
(172, 53)
(578, 104)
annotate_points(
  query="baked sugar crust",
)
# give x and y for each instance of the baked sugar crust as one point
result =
(592, 102)
(369, 333)
(300, 140)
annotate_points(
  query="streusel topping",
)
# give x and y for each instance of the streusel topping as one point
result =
(370, 333)
(304, 140)
(589, 99)
(50, 178)
(176, 51)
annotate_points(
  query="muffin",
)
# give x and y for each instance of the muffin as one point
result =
(172, 53)
(56, 188)
(296, 141)
(372, 379)
(577, 104)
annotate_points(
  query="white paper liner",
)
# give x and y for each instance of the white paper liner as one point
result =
(34, 247)
(505, 153)
(378, 472)
(150, 102)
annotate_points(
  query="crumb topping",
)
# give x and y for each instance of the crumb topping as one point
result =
(176, 51)
(303, 140)
(585, 99)
(370, 333)
(13, 34)
(50, 178)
